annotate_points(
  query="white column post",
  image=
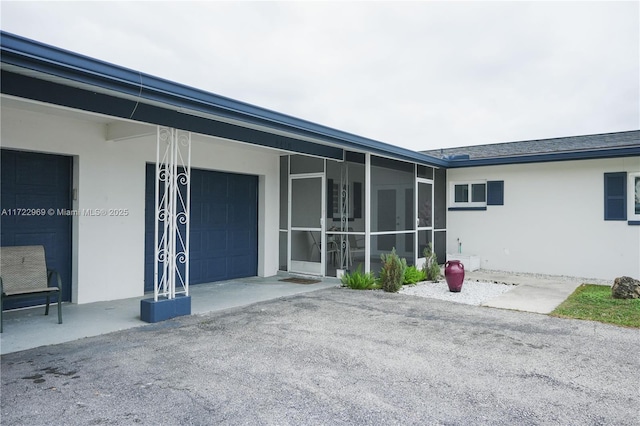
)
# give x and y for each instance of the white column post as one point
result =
(367, 212)
(172, 213)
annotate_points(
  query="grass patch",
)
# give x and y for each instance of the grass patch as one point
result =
(594, 302)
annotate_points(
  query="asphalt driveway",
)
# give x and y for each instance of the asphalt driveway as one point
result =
(334, 356)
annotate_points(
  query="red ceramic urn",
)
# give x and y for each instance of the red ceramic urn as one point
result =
(454, 274)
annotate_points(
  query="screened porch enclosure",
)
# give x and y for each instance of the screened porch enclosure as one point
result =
(343, 215)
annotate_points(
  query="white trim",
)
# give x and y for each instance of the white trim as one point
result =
(419, 259)
(367, 212)
(295, 266)
(404, 231)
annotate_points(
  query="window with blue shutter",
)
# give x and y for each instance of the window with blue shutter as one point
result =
(615, 196)
(495, 193)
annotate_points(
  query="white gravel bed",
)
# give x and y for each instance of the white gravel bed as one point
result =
(472, 293)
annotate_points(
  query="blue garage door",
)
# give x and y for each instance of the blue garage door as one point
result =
(224, 226)
(37, 183)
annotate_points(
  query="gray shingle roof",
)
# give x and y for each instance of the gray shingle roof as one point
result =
(543, 146)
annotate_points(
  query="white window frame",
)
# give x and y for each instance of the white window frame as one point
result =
(631, 194)
(468, 204)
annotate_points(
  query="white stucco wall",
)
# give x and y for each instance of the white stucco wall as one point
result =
(552, 221)
(108, 252)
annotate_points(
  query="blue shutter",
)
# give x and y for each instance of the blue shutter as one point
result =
(495, 193)
(615, 196)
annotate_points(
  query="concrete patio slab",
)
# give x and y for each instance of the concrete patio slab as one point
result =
(29, 328)
(533, 293)
(541, 298)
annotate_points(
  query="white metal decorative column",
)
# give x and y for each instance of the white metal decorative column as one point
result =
(345, 250)
(172, 213)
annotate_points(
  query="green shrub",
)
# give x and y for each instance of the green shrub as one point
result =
(413, 275)
(358, 280)
(431, 268)
(392, 273)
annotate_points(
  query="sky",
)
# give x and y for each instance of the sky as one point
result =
(420, 74)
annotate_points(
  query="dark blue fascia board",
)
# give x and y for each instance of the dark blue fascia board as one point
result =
(29, 54)
(25, 53)
(32, 55)
(545, 158)
(72, 97)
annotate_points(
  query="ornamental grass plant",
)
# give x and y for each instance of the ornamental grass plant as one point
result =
(392, 272)
(431, 267)
(358, 280)
(413, 275)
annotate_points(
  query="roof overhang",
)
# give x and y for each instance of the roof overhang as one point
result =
(44, 73)
(627, 151)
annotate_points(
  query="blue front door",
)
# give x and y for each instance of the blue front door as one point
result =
(34, 188)
(224, 226)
